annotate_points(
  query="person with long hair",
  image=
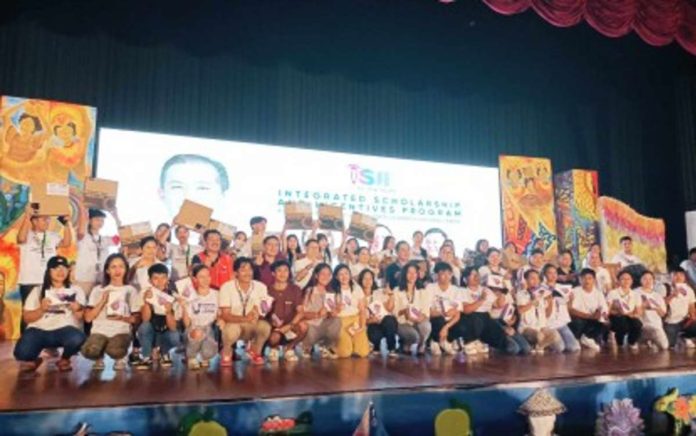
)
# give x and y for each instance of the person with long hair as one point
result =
(379, 304)
(566, 269)
(493, 267)
(625, 311)
(113, 309)
(412, 309)
(163, 236)
(350, 300)
(293, 250)
(199, 317)
(654, 310)
(53, 313)
(560, 316)
(92, 248)
(347, 253)
(362, 263)
(324, 326)
(137, 272)
(480, 253)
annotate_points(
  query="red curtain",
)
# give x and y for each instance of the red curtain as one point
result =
(657, 22)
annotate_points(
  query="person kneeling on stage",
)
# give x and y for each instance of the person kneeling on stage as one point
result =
(160, 314)
(654, 310)
(535, 306)
(350, 302)
(199, 317)
(323, 327)
(588, 310)
(625, 312)
(444, 310)
(476, 327)
(681, 319)
(286, 313)
(560, 316)
(112, 309)
(381, 322)
(412, 309)
(239, 301)
(53, 313)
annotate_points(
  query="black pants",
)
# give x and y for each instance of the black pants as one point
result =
(437, 323)
(673, 332)
(591, 328)
(385, 329)
(479, 326)
(624, 326)
(24, 291)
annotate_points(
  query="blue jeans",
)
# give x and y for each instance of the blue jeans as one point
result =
(570, 343)
(515, 344)
(150, 338)
(34, 340)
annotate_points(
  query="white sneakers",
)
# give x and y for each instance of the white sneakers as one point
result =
(689, 343)
(290, 355)
(435, 348)
(589, 343)
(273, 355)
(327, 353)
(444, 347)
(193, 363)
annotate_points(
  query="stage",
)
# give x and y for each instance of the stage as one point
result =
(404, 384)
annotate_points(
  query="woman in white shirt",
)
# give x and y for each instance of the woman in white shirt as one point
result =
(625, 312)
(324, 327)
(137, 274)
(654, 310)
(350, 301)
(199, 318)
(493, 267)
(362, 263)
(413, 310)
(681, 319)
(535, 306)
(53, 313)
(113, 308)
(381, 322)
(92, 248)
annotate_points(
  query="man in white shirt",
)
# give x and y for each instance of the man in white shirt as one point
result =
(240, 301)
(681, 317)
(588, 310)
(303, 268)
(181, 255)
(626, 257)
(444, 310)
(36, 246)
(689, 266)
(603, 281)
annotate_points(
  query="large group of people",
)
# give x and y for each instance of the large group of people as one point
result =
(169, 299)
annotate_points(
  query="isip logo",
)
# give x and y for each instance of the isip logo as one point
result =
(368, 177)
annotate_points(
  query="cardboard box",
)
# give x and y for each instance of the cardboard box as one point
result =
(362, 226)
(226, 230)
(51, 199)
(193, 215)
(331, 217)
(256, 244)
(298, 215)
(100, 194)
(132, 234)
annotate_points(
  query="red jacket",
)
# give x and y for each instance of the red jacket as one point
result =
(221, 270)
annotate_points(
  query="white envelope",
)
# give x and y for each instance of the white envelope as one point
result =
(265, 305)
(185, 289)
(117, 305)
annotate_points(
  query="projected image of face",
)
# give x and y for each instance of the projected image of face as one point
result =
(193, 177)
(434, 238)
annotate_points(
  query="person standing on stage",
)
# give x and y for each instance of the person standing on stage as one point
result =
(536, 263)
(92, 248)
(689, 265)
(302, 268)
(138, 271)
(263, 261)
(219, 262)
(566, 269)
(181, 254)
(603, 281)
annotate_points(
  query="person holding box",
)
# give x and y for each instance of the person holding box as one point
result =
(199, 317)
(92, 247)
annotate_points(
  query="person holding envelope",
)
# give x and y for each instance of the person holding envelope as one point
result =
(113, 308)
(321, 313)
(199, 317)
(379, 305)
(493, 266)
(588, 311)
(240, 313)
(350, 300)
(654, 310)
(625, 312)
(160, 314)
(412, 307)
(444, 310)
(535, 305)
(560, 316)
(285, 314)
(681, 319)
(53, 313)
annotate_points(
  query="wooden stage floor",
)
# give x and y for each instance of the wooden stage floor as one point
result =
(49, 389)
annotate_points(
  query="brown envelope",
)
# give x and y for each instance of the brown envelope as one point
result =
(331, 217)
(298, 215)
(132, 234)
(362, 226)
(193, 215)
(100, 194)
(226, 230)
(52, 199)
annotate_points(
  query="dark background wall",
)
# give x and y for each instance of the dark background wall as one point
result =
(404, 78)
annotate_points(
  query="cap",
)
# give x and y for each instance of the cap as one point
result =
(57, 261)
(96, 213)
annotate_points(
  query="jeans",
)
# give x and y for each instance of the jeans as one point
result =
(24, 291)
(206, 345)
(326, 333)
(414, 334)
(570, 343)
(384, 329)
(149, 338)
(34, 340)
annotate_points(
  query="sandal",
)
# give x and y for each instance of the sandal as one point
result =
(64, 365)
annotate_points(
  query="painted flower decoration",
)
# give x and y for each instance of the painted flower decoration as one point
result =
(681, 409)
(619, 418)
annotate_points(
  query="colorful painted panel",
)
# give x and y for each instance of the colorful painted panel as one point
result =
(526, 191)
(40, 141)
(618, 219)
(577, 221)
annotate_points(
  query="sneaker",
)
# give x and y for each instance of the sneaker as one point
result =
(447, 348)
(589, 343)
(255, 359)
(134, 358)
(689, 343)
(272, 355)
(470, 349)
(193, 363)
(481, 347)
(98, 365)
(205, 363)
(165, 360)
(538, 350)
(143, 364)
(435, 348)
(120, 365)
(634, 347)
(290, 356)
(327, 353)
(393, 354)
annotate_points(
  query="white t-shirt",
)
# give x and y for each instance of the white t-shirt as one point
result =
(59, 315)
(124, 300)
(506, 311)
(690, 268)
(534, 318)
(351, 301)
(181, 258)
(625, 260)
(650, 300)
(603, 279)
(141, 280)
(626, 301)
(357, 268)
(376, 303)
(468, 296)
(679, 306)
(240, 302)
(34, 255)
(92, 252)
(560, 316)
(203, 309)
(301, 264)
(589, 302)
(421, 301)
(443, 300)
